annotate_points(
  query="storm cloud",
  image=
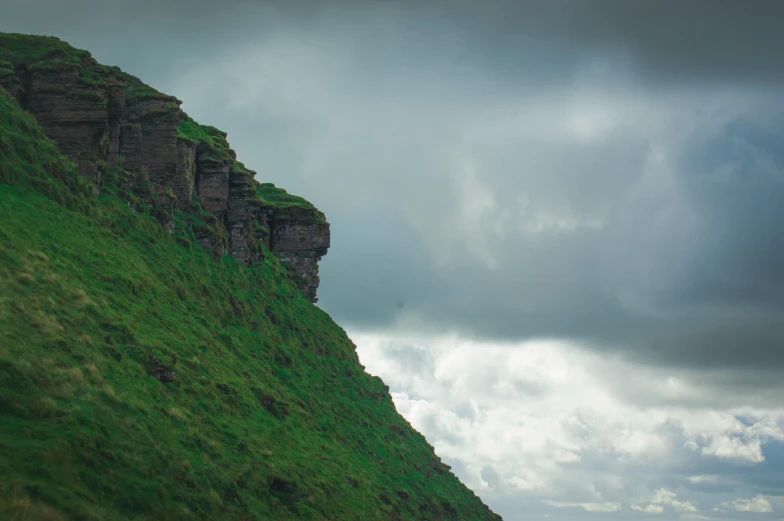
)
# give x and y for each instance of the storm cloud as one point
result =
(605, 178)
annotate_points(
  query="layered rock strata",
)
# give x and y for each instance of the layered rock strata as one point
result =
(300, 238)
(101, 117)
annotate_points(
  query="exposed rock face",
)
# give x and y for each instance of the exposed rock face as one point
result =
(242, 204)
(11, 84)
(115, 108)
(184, 181)
(74, 115)
(211, 242)
(98, 123)
(160, 371)
(148, 142)
(213, 184)
(300, 238)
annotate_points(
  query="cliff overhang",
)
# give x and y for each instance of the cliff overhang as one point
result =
(103, 118)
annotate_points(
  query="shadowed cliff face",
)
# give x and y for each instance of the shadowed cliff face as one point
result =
(74, 115)
(100, 117)
(300, 237)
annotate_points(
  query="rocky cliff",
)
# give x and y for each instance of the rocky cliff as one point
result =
(101, 117)
(141, 380)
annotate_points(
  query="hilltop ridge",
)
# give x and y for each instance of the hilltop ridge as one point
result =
(102, 117)
(160, 353)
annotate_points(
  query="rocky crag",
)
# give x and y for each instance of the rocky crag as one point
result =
(101, 117)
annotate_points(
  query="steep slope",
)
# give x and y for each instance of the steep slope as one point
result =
(143, 376)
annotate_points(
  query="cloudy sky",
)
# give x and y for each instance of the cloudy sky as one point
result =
(556, 225)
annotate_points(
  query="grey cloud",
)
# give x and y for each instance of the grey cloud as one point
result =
(689, 273)
(381, 113)
(377, 249)
(490, 476)
(661, 41)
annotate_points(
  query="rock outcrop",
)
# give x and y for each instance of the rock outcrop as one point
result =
(299, 237)
(160, 371)
(74, 115)
(9, 81)
(102, 118)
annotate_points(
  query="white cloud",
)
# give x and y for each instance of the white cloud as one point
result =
(704, 479)
(588, 507)
(666, 497)
(550, 421)
(757, 504)
(724, 435)
(649, 509)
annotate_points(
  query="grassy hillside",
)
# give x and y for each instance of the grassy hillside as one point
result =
(270, 415)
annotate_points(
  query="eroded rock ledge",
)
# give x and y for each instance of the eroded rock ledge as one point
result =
(101, 118)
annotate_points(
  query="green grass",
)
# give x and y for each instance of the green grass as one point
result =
(271, 195)
(50, 53)
(271, 415)
(211, 144)
(136, 90)
(22, 51)
(208, 139)
(28, 158)
(274, 196)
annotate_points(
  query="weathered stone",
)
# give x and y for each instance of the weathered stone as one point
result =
(242, 205)
(300, 238)
(183, 183)
(12, 85)
(211, 242)
(212, 183)
(148, 141)
(399, 430)
(159, 371)
(75, 116)
(115, 108)
(95, 124)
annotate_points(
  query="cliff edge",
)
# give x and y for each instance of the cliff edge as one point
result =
(102, 117)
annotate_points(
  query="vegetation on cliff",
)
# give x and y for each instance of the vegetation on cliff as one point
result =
(141, 379)
(46, 52)
(104, 119)
(273, 195)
